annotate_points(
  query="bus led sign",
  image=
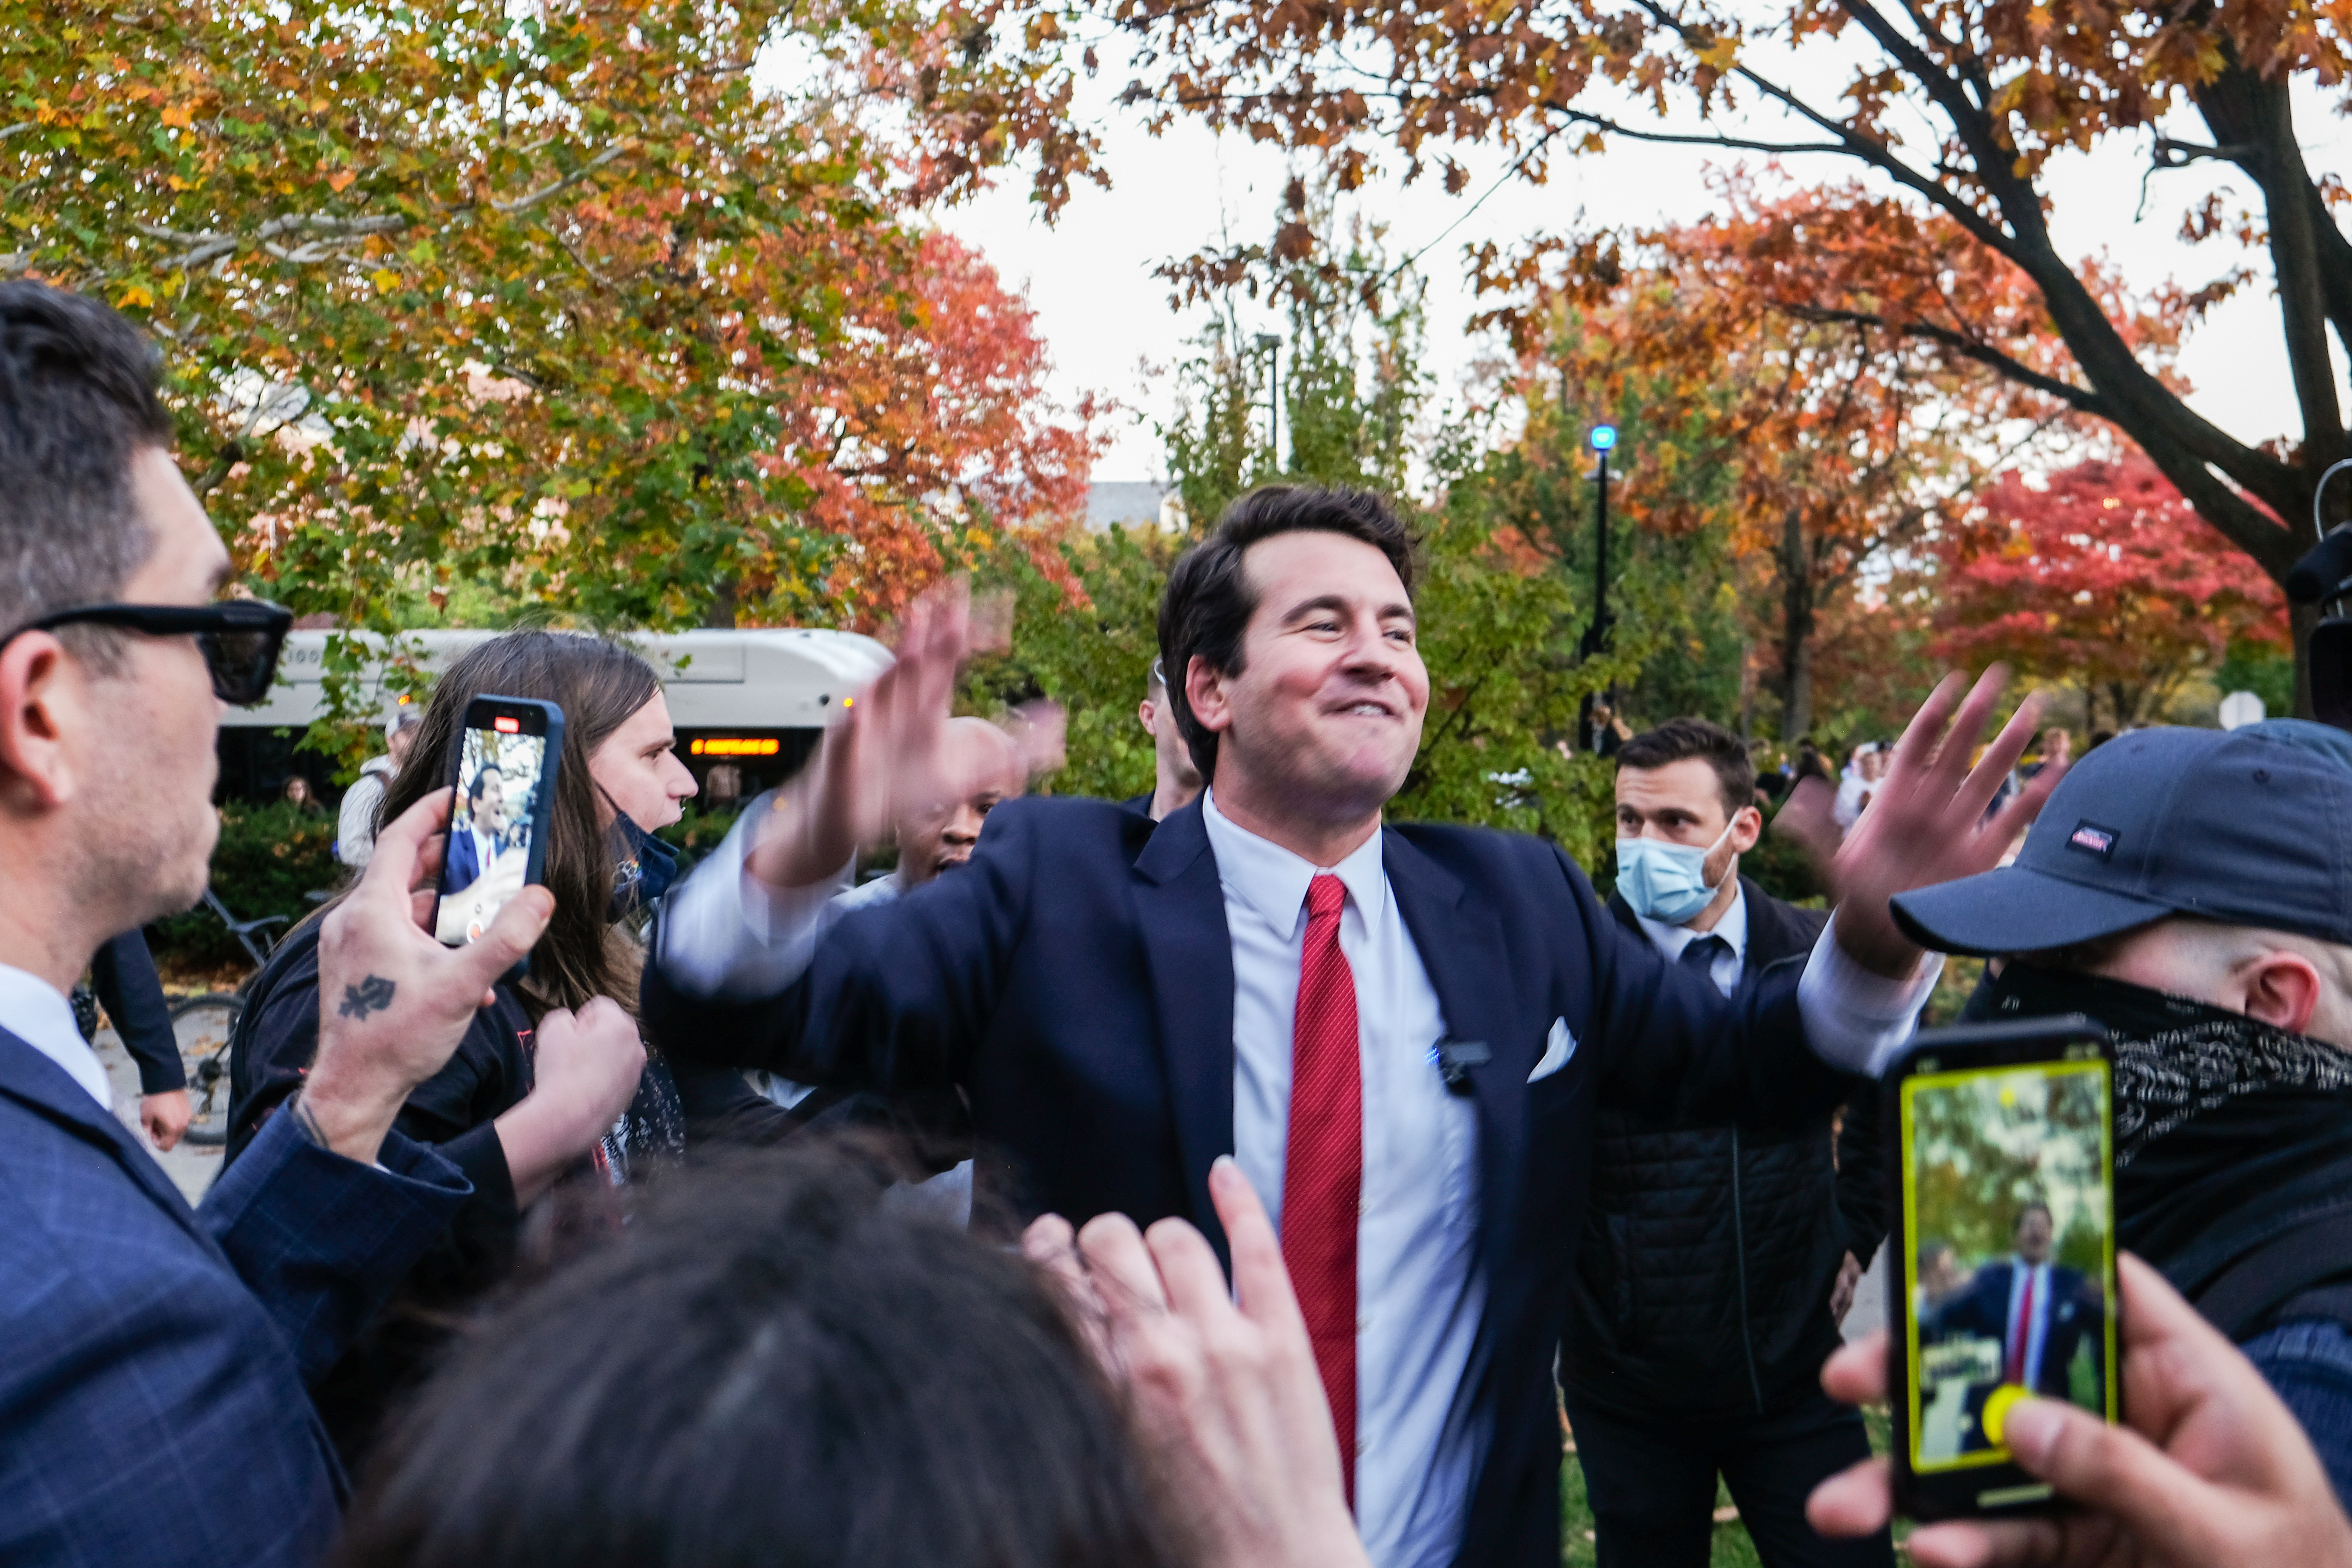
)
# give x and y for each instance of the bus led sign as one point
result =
(735, 745)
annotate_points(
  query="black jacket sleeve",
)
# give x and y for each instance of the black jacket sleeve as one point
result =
(1862, 1173)
(123, 974)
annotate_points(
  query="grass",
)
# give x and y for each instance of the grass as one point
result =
(1732, 1548)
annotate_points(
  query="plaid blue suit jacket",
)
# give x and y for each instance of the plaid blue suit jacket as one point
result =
(154, 1356)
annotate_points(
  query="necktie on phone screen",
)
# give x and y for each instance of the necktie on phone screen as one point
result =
(1323, 1166)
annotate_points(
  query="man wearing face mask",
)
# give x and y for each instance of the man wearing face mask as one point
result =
(1717, 1258)
(2192, 891)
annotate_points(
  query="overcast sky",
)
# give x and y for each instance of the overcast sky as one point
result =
(1089, 277)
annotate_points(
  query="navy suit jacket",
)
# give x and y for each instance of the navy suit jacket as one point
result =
(465, 864)
(2068, 1312)
(1076, 980)
(154, 1356)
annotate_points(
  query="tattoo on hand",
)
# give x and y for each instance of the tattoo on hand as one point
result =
(371, 995)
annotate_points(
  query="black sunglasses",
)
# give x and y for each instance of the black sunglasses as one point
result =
(240, 638)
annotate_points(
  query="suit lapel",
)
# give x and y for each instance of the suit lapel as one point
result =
(1181, 910)
(1461, 947)
(28, 1076)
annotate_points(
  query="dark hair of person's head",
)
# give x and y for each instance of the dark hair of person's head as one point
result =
(1209, 602)
(77, 404)
(599, 685)
(1810, 764)
(1679, 739)
(482, 776)
(768, 1365)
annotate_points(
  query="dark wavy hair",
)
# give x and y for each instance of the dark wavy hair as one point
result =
(1209, 600)
(599, 685)
(769, 1364)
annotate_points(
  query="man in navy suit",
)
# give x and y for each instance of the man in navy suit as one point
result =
(476, 844)
(2038, 1312)
(1400, 1033)
(152, 1356)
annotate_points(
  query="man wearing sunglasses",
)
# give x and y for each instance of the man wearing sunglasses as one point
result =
(152, 1357)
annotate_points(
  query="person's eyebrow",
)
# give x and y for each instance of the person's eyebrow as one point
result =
(1340, 603)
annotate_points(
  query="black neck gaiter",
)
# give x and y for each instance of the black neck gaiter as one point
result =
(2220, 1120)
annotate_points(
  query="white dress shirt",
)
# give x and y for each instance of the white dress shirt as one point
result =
(1419, 1293)
(32, 1010)
(1731, 959)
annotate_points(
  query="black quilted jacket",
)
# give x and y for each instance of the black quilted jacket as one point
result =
(1710, 1249)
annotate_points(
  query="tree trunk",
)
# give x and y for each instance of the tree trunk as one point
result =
(1796, 629)
(720, 612)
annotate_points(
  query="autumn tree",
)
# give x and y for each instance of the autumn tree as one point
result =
(550, 298)
(1829, 448)
(1955, 109)
(2104, 577)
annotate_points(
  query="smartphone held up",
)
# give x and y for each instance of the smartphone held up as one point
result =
(2004, 1206)
(505, 784)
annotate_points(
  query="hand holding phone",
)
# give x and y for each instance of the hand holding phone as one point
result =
(2212, 1469)
(2003, 1205)
(504, 774)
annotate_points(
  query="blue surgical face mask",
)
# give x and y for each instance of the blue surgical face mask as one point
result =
(644, 867)
(1667, 881)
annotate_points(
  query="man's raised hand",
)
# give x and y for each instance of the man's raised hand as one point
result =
(392, 1001)
(882, 758)
(1925, 822)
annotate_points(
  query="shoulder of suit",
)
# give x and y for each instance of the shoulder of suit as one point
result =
(1768, 915)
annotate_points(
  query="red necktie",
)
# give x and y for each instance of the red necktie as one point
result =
(1323, 1170)
(2021, 1333)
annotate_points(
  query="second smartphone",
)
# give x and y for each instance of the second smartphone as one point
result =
(505, 781)
(2001, 1252)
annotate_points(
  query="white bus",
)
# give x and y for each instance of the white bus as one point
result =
(754, 700)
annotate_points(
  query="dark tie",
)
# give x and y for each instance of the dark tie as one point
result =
(1700, 954)
(1323, 1166)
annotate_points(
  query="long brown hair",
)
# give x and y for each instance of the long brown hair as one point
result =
(599, 685)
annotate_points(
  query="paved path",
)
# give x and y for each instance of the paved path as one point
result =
(191, 1167)
(1869, 1309)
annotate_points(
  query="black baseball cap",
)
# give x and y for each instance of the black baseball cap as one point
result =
(2249, 828)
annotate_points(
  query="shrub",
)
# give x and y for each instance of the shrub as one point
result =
(268, 858)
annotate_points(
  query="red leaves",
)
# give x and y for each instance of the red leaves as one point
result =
(2103, 576)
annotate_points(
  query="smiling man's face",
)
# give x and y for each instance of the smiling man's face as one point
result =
(1327, 705)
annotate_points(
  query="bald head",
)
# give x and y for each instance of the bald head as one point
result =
(983, 767)
(2299, 984)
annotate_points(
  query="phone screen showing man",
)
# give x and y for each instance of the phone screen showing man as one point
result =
(2008, 1197)
(490, 828)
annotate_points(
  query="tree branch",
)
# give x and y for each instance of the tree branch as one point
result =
(524, 203)
(2081, 398)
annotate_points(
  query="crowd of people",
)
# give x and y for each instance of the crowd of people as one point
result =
(1342, 1153)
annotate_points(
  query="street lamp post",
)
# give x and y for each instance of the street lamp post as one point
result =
(1271, 346)
(1602, 440)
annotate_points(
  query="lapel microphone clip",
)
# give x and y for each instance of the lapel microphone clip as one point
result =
(1456, 1058)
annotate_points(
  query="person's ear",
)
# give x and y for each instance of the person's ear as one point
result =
(42, 700)
(1746, 827)
(1144, 710)
(1205, 689)
(2279, 988)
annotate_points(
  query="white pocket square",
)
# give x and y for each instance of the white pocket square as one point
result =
(1559, 1046)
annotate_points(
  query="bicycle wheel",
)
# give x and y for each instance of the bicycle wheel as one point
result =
(203, 1025)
